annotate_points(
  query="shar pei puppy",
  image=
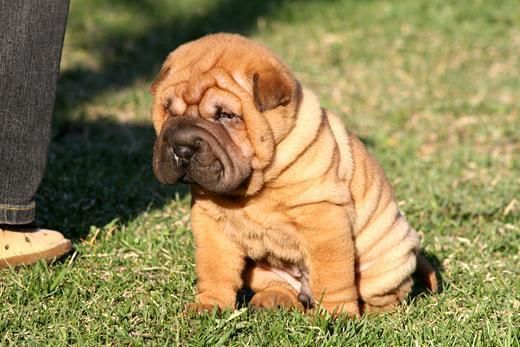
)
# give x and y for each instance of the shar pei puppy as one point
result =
(285, 201)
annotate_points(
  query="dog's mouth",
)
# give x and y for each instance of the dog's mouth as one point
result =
(186, 179)
(212, 176)
(182, 165)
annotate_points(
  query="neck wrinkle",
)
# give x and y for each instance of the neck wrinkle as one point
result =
(305, 131)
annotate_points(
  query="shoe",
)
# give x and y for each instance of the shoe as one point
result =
(27, 245)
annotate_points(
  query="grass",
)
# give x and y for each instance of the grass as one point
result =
(432, 87)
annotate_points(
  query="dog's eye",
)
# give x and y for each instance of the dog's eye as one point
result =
(221, 115)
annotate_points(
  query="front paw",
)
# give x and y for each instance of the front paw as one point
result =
(350, 308)
(275, 298)
(368, 308)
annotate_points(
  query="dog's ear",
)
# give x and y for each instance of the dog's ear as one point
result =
(272, 88)
(162, 75)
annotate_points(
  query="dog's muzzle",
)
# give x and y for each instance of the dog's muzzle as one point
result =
(193, 150)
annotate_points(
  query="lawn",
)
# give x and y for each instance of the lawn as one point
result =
(431, 86)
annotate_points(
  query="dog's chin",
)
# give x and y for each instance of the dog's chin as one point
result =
(186, 179)
(216, 181)
(215, 184)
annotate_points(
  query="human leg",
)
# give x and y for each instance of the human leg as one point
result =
(31, 39)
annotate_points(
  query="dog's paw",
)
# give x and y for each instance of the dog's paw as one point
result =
(380, 304)
(335, 309)
(387, 302)
(368, 308)
(275, 298)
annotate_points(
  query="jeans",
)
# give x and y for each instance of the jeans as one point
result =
(31, 40)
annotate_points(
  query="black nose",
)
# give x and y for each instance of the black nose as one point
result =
(184, 152)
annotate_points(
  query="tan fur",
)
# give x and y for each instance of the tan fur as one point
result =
(316, 200)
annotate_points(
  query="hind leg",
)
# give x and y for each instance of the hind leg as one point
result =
(271, 290)
(388, 301)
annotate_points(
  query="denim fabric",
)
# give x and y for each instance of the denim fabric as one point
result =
(31, 39)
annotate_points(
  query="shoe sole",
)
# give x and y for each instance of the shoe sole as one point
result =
(31, 258)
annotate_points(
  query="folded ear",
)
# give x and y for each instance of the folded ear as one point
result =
(162, 75)
(272, 88)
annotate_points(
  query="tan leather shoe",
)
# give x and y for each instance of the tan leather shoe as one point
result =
(26, 246)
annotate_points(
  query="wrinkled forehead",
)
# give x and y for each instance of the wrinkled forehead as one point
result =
(201, 63)
(200, 81)
(209, 60)
(199, 92)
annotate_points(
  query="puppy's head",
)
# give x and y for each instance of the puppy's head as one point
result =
(220, 106)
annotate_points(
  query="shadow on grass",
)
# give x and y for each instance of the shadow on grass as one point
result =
(99, 172)
(419, 288)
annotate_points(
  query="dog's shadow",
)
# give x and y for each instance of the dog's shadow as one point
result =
(99, 172)
(419, 287)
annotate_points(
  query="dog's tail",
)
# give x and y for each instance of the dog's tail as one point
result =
(426, 274)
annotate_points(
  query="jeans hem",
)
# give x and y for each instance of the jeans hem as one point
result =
(17, 214)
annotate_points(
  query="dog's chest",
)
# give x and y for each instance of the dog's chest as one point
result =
(265, 234)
